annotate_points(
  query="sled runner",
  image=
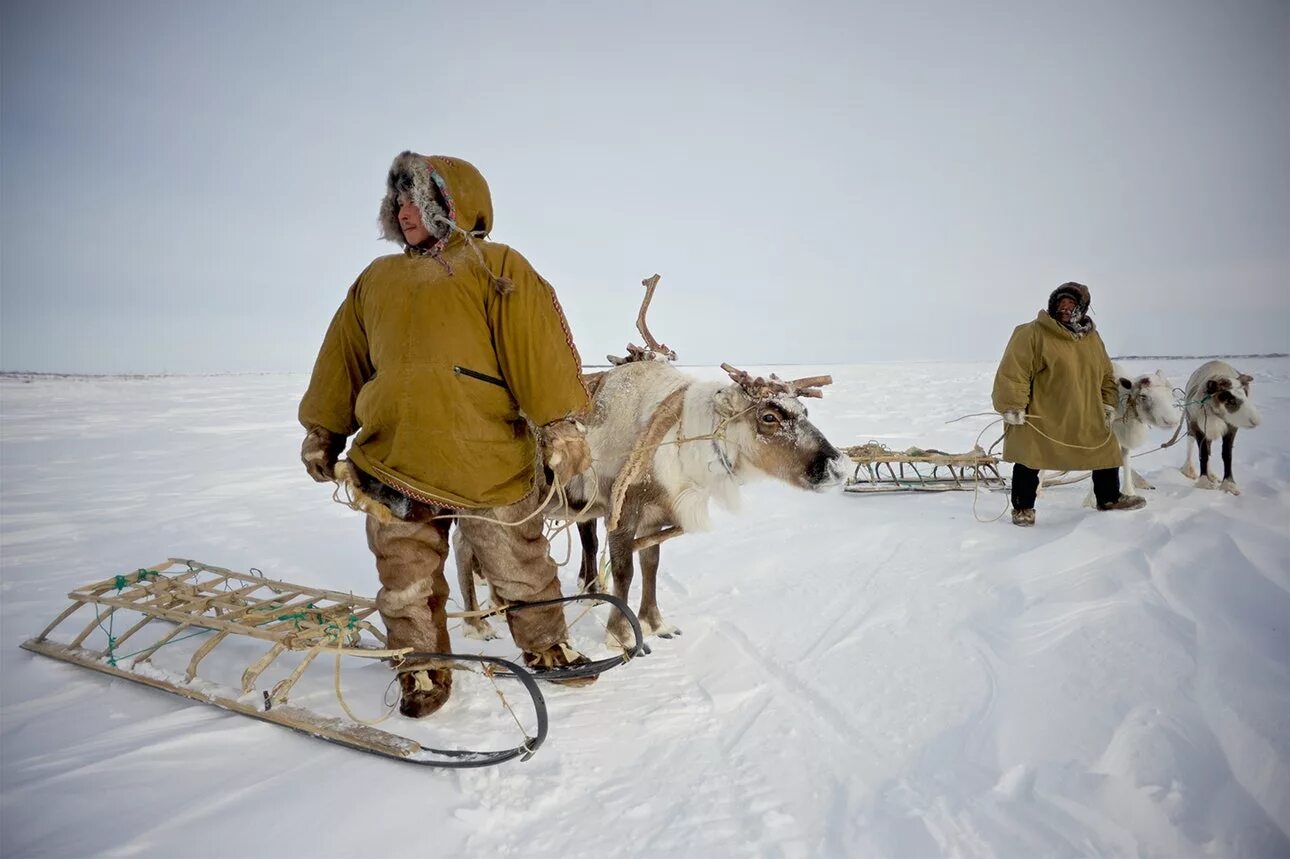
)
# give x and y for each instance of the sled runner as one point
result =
(227, 607)
(940, 471)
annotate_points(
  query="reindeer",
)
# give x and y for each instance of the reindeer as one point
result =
(1145, 402)
(1217, 405)
(664, 446)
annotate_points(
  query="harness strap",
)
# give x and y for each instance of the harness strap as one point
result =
(666, 416)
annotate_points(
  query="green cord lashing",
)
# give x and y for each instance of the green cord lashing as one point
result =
(111, 647)
(333, 630)
(296, 617)
(140, 575)
(121, 583)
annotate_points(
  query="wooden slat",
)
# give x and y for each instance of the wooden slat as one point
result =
(283, 688)
(98, 618)
(67, 612)
(253, 672)
(202, 652)
(147, 619)
(111, 583)
(146, 655)
(192, 619)
(255, 606)
(337, 596)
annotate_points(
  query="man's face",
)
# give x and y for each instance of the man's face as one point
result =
(414, 231)
(1065, 309)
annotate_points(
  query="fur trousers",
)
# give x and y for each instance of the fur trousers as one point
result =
(515, 560)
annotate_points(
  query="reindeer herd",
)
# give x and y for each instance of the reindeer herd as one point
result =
(665, 446)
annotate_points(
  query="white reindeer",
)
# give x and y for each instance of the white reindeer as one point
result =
(1145, 402)
(1217, 405)
(664, 446)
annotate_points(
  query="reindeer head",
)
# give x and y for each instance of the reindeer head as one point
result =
(1153, 398)
(1228, 397)
(772, 431)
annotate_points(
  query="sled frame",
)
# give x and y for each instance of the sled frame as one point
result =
(940, 471)
(199, 597)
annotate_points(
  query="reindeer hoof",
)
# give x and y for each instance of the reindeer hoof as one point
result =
(623, 640)
(1189, 472)
(482, 632)
(1230, 487)
(665, 630)
(1206, 482)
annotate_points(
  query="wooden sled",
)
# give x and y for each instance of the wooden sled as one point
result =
(940, 472)
(180, 598)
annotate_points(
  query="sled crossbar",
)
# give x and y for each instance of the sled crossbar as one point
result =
(880, 469)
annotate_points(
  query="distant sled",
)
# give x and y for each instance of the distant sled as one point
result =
(879, 469)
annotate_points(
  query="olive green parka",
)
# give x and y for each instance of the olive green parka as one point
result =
(1061, 379)
(439, 363)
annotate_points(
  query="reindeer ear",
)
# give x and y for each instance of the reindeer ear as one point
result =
(1146, 381)
(1211, 387)
(1126, 384)
(1244, 379)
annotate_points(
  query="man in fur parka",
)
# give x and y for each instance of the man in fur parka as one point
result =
(452, 366)
(1057, 394)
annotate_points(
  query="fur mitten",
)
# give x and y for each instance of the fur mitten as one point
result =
(320, 451)
(564, 449)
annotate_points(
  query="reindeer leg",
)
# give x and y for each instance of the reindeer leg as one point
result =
(589, 574)
(1188, 470)
(467, 568)
(1206, 480)
(1229, 441)
(620, 563)
(1126, 485)
(651, 619)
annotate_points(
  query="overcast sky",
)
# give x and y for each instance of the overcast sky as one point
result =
(193, 186)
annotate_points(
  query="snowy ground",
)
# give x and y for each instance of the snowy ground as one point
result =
(858, 676)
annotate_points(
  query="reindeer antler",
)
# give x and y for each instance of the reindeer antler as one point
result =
(651, 283)
(652, 350)
(634, 353)
(761, 388)
(808, 386)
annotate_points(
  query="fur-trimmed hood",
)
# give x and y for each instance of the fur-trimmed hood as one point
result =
(1078, 293)
(437, 184)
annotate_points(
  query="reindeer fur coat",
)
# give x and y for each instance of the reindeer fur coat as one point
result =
(1063, 379)
(439, 361)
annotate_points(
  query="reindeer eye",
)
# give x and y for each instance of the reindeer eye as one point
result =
(769, 418)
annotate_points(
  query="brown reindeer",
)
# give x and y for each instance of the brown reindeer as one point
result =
(664, 446)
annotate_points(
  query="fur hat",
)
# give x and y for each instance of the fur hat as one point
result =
(1079, 322)
(413, 176)
(1076, 292)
